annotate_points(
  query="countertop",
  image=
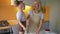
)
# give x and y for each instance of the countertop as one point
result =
(11, 23)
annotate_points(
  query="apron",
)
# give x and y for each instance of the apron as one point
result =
(34, 23)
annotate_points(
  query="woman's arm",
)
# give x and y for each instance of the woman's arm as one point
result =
(19, 22)
(19, 16)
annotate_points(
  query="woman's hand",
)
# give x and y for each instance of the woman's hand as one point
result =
(24, 28)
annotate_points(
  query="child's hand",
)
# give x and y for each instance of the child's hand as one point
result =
(37, 32)
(27, 29)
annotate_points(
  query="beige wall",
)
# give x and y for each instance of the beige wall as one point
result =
(54, 15)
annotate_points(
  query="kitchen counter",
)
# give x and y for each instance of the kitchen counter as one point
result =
(11, 23)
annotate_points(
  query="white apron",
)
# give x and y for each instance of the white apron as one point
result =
(34, 24)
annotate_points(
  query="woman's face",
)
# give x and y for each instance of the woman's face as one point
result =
(36, 5)
(21, 6)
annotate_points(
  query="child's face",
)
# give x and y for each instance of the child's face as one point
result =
(36, 5)
(21, 6)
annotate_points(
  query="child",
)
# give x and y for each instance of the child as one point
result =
(35, 19)
(21, 16)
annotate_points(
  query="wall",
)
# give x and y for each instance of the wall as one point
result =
(54, 15)
(7, 12)
(57, 26)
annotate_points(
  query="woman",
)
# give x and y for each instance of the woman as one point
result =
(35, 19)
(21, 16)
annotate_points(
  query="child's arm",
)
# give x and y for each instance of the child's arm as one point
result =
(41, 23)
(28, 20)
(27, 23)
(40, 26)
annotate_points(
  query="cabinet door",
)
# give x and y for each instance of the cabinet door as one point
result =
(47, 13)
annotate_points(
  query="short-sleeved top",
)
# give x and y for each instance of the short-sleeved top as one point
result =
(20, 16)
(39, 14)
(34, 20)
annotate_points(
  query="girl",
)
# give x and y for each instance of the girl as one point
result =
(21, 16)
(35, 19)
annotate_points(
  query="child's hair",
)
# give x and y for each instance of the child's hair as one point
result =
(18, 2)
